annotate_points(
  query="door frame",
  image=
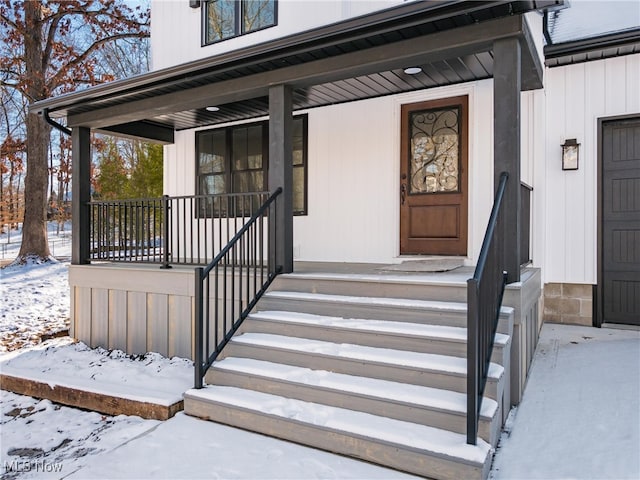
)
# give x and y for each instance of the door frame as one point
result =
(598, 305)
(463, 99)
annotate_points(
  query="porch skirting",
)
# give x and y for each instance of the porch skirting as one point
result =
(133, 308)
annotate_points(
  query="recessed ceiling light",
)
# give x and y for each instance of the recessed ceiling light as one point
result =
(212, 109)
(412, 70)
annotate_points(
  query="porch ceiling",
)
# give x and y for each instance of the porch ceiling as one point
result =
(360, 58)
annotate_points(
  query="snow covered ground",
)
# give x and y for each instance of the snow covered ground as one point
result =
(579, 417)
(34, 298)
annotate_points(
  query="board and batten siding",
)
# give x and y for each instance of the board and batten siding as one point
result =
(576, 96)
(133, 308)
(354, 171)
(294, 16)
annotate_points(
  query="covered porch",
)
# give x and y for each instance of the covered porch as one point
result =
(120, 298)
(362, 58)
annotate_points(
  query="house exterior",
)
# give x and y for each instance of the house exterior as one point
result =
(314, 135)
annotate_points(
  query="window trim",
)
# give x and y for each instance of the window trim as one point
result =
(238, 23)
(228, 129)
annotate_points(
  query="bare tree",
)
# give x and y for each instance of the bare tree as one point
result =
(51, 47)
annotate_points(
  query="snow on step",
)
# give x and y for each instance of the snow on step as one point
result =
(427, 361)
(402, 328)
(375, 301)
(377, 278)
(382, 389)
(375, 427)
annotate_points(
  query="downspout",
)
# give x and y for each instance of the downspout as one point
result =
(54, 124)
(545, 28)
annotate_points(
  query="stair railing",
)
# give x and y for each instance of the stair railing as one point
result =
(229, 287)
(484, 297)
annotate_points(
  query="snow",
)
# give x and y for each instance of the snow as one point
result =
(382, 389)
(34, 298)
(359, 423)
(579, 417)
(427, 361)
(412, 329)
(151, 378)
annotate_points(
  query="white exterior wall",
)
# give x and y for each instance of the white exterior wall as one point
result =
(170, 48)
(353, 176)
(576, 97)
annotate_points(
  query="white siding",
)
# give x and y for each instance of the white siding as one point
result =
(576, 96)
(354, 162)
(294, 16)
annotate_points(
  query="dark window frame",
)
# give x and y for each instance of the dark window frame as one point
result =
(238, 24)
(228, 167)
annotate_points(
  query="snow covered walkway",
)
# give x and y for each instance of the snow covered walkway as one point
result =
(579, 417)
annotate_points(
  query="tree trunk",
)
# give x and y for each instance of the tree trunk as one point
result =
(34, 229)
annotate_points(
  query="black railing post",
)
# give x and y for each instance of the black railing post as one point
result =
(472, 361)
(165, 232)
(199, 320)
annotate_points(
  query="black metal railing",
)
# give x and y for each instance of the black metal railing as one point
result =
(187, 230)
(229, 287)
(525, 223)
(484, 296)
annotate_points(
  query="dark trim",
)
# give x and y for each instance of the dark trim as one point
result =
(507, 145)
(390, 20)
(563, 53)
(281, 171)
(142, 130)
(81, 187)
(598, 306)
(53, 123)
(596, 318)
(434, 47)
(228, 133)
(238, 27)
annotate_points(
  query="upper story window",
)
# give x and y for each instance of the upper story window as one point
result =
(230, 18)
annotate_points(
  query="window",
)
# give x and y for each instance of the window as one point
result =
(229, 18)
(235, 160)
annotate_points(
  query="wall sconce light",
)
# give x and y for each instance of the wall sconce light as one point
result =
(194, 3)
(570, 151)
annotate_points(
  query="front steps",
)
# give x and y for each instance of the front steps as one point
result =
(380, 378)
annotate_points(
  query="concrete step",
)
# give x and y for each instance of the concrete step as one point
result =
(417, 449)
(415, 337)
(451, 314)
(411, 403)
(426, 369)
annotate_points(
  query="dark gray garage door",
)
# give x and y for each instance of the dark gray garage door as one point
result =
(620, 281)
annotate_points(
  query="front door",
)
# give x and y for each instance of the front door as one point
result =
(433, 177)
(620, 227)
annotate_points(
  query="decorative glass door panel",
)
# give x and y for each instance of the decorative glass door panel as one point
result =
(435, 151)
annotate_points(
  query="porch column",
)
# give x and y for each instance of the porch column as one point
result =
(506, 144)
(80, 194)
(281, 171)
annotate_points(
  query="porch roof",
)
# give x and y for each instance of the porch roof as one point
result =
(364, 57)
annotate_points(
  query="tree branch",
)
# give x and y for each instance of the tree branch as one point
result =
(53, 83)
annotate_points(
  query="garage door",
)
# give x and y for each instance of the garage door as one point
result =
(620, 221)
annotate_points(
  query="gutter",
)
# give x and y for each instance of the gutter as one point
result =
(53, 123)
(600, 42)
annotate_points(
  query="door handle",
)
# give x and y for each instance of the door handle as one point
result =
(403, 193)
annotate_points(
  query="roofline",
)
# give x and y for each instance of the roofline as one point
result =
(350, 29)
(600, 42)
